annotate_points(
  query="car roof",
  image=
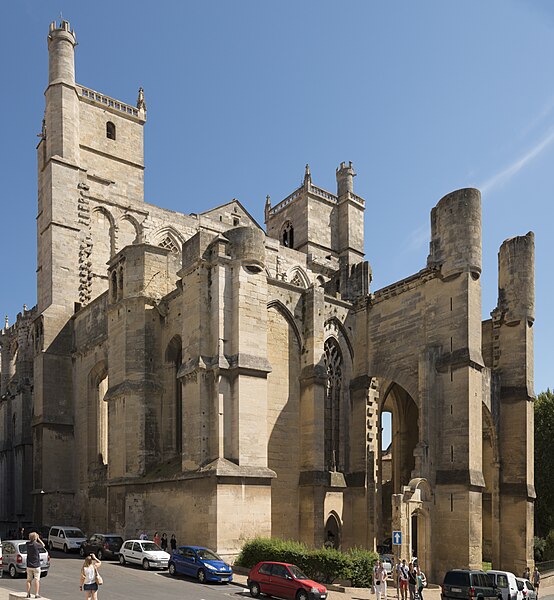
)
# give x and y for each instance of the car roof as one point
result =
(108, 534)
(15, 541)
(196, 548)
(500, 572)
(275, 562)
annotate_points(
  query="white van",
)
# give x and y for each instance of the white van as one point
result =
(65, 537)
(507, 584)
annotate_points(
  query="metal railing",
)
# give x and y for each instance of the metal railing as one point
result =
(545, 567)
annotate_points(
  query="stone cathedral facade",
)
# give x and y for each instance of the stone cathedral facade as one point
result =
(203, 375)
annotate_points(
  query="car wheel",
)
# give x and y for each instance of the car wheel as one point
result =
(99, 555)
(301, 595)
(82, 551)
(201, 576)
(145, 565)
(172, 570)
(65, 548)
(12, 571)
(122, 560)
(254, 589)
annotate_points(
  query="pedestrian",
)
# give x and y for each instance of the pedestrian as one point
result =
(412, 581)
(90, 578)
(34, 548)
(163, 542)
(403, 579)
(380, 581)
(143, 536)
(527, 573)
(173, 543)
(157, 539)
(536, 580)
(421, 582)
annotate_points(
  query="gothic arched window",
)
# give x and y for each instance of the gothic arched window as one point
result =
(333, 393)
(287, 237)
(110, 130)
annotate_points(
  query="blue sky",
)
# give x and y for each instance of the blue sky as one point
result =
(424, 97)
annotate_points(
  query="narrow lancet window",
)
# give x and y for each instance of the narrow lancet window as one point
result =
(110, 130)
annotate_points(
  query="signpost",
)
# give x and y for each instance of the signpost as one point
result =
(397, 538)
(397, 543)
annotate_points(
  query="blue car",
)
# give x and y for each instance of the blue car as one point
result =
(201, 563)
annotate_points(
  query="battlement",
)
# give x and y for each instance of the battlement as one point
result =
(314, 191)
(109, 103)
(63, 26)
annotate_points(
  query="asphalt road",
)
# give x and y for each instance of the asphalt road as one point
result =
(123, 583)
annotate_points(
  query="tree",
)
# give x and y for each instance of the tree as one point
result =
(544, 463)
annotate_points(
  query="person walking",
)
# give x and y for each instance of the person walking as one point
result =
(90, 578)
(163, 542)
(527, 573)
(173, 543)
(380, 581)
(412, 581)
(34, 547)
(536, 580)
(157, 539)
(421, 582)
(403, 579)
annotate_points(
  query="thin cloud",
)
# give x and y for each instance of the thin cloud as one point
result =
(416, 239)
(506, 174)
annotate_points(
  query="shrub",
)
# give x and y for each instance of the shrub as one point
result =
(325, 564)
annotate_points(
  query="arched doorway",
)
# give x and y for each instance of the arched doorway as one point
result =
(398, 425)
(332, 532)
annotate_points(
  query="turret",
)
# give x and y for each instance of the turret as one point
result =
(456, 233)
(61, 54)
(516, 278)
(345, 179)
(61, 129)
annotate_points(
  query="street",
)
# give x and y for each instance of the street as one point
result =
(122, 583)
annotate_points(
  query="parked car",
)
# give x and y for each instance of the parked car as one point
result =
(464, 584)
(284, 581)
(527, 589)
(507, 584)
(387, 561)
(201, 563)
(14, 558)
(145, 553)
(102, 545)
(65, 537)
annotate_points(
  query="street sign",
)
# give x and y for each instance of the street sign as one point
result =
(397, 538)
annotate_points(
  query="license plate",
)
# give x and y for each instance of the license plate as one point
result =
(225, 579)
(458, 590)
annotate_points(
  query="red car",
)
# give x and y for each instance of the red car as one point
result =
(284, 581)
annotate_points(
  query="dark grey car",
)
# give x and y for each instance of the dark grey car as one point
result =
(463, 584)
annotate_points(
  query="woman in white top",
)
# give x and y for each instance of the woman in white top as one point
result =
(89, 577)
(380, 581)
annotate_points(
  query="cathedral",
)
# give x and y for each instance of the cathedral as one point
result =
(205, 375)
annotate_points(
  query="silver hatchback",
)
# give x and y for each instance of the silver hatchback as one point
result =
(14, 558)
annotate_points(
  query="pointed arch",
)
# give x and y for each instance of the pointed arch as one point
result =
(335, 325)
(285, 312)
(170, 238)
(297, 276)
(136, 225)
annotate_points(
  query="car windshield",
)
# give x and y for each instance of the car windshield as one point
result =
(150, 547)
(205, 554)
(297, 573)
(74, 533)
(114, 540)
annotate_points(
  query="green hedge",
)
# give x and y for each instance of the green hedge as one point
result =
(325, 565)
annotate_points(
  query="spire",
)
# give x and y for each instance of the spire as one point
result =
(141, 104)
(307, 176)
(267, 207)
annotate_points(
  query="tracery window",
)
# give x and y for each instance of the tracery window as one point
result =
(169, 244)
(333, 393)
(287, 236)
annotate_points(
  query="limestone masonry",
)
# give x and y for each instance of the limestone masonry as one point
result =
(198, 374)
